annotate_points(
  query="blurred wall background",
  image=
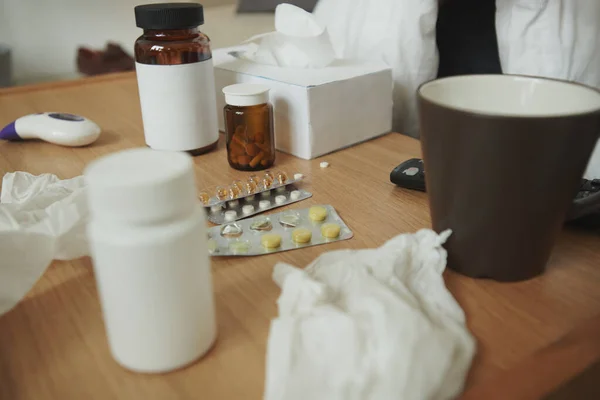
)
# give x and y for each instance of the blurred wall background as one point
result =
(44, 34)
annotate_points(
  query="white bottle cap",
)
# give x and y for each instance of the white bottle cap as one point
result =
(246, 94)
(141, 186)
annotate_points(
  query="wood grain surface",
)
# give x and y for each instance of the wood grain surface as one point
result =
(53, 346)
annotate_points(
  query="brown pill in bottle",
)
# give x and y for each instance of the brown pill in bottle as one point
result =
(249, 127)
(244, 160)
(257, 159)
(252, 149)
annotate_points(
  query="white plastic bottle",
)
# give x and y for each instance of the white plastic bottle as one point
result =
(148, 243)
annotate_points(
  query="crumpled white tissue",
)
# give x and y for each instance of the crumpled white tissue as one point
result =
(299, 41)
(41, 218)
(375, 324)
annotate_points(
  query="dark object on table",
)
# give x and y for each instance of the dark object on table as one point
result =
(410, 175)
(112, 59)
(584, 213)
(248, 6)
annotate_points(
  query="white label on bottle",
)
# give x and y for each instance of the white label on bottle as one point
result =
(179, 108)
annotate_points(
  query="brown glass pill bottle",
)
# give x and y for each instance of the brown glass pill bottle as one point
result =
(176, 78)
(249, 127)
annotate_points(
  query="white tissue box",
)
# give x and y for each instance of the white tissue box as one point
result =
(317, 111)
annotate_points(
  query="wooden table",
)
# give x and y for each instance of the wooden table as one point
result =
(52, 345)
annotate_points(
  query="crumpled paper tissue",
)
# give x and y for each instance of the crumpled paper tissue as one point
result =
(299, 41)
(375, 324)
(41, 218)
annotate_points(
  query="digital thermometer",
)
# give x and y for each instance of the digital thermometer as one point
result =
(58, 128)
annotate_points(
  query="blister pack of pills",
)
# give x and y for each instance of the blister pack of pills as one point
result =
(254, 185)
(234, 210)
(287, 230)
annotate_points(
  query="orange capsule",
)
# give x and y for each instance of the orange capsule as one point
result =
(234, 192)
(204, 198)
(239, 184)
(251, 187)
(222, 193)
(270, 175)
(254, 178)
(281, 177)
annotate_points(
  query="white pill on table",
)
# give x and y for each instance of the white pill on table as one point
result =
(298, 176)
(264, 204)
(248, 209)
(295, 195)
(233, 203)
(280, 199)
(230, 215)
(324, 164)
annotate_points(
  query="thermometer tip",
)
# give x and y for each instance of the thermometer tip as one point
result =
(9, 132)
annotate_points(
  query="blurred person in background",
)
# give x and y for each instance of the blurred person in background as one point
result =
(425, 39)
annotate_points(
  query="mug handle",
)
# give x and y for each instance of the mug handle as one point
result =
(582, 207)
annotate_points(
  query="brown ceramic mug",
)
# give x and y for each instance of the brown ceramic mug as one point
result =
(503, 157)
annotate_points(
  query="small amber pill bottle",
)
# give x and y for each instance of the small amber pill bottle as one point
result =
(249, 127)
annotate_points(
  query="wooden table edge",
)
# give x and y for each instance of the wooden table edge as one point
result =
(546, 370)
(67, 83)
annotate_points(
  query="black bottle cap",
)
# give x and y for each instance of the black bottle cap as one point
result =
(169, 16)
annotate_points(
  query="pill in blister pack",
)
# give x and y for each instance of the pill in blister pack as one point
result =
(254, 185)
(237, 209)
(287, 230)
